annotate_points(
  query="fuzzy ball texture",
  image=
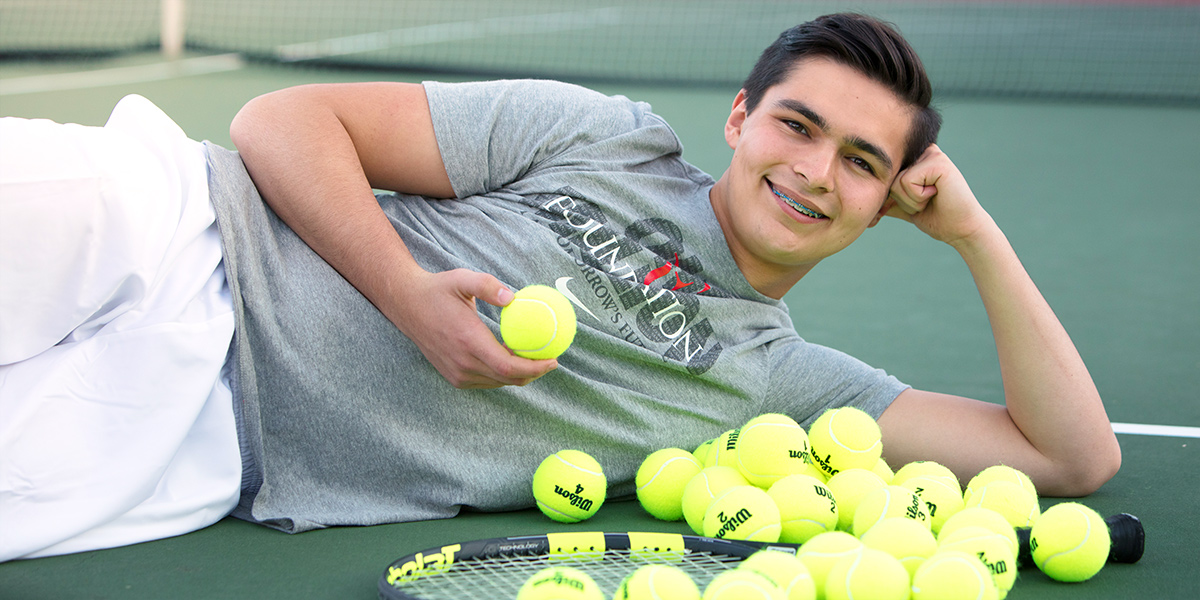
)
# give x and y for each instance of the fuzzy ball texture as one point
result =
(700, 492)
(886, 502)
(569, 486)
(869, 574)
(661, 480)
(845, 438)
(786, 570)
(1070, 542)
(560, 583)
(743, 513)
(538, 323)
(953, 575)
(770, 447)
(657, 582)
(806, 508)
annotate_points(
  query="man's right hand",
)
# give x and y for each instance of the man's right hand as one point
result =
(438, 313)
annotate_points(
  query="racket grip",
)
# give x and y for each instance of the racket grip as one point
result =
(1125, 530)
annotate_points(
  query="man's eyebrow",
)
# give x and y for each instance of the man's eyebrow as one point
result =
(801, 108)
(797, 106)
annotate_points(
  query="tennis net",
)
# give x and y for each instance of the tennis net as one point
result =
(1147, 50)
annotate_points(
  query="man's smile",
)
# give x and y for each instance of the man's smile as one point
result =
(804, 210)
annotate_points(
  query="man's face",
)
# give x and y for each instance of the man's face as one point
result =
(811, 169)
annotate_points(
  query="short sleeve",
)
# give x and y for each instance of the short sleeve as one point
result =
(493, 133)
(807, 379)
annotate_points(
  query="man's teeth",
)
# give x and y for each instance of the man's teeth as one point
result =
(800, 207)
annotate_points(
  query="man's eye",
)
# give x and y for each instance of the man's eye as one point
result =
(798, 127)
(862, 164)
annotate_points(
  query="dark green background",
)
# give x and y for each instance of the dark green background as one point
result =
(1099, 200)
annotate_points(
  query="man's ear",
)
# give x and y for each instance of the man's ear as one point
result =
(737, 117)
(888, 203)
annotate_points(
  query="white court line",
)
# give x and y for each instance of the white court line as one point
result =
(120, 75)
(1160, 430)
(449, 32)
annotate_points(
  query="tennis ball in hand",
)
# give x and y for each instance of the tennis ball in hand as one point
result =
(845, 438)
(806, 508)
(569, 486)
(661, 479)
(538, 323)
(657, 582)
(769, 447)
(743, 513)
(560, 583)
(787, 571)
(950, 575)
(1070, 542)
(869, 574)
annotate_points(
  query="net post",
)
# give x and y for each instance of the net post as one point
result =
(172, 28)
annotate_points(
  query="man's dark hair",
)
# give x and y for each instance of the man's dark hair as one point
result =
(865, 44)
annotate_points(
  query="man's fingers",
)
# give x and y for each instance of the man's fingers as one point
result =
(487, 288)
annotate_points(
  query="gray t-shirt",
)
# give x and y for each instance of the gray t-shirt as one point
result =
(343, 421)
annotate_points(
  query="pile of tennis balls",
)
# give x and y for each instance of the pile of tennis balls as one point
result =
(863, 531)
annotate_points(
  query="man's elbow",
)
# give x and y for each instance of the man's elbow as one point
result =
(1091, 469)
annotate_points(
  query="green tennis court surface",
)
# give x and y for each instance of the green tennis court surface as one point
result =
(1099, 199)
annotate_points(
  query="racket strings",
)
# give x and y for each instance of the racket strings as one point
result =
(501, 576)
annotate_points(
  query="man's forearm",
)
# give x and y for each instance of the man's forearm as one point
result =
(1048, 391)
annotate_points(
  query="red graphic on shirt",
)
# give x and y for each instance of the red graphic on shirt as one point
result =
(662, 271)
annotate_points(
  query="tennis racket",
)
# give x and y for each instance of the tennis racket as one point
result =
(497, 567)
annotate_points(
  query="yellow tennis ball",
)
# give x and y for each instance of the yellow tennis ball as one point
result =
(907, 540)
(786, 570)
(700, 492)
(953, 575)
(769, 447)
(742, 584)
(806, 508)
(661, 479)
(999, 473)
(560, 583)
(992, 549)
(538, 323)
(889, 501)
(743, 512)
(702, 451)
(850, 487)
(723, 452)
(823, 551)
(925, 468)
(1008, 498)
(884, 471)
(1070, 542)
(569, 486)
(871, 574)
(657, 582)
(981, 517)
(941, 495)
(845, 438)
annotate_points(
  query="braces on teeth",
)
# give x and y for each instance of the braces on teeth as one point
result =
(798, 206)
